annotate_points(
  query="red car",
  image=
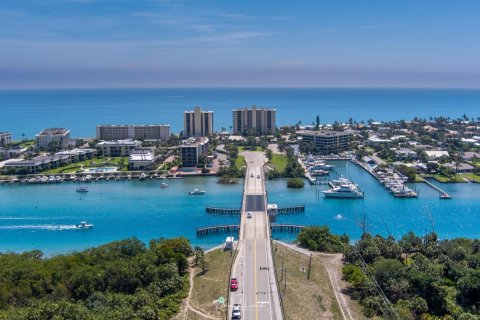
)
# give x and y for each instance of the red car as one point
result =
(233, 284)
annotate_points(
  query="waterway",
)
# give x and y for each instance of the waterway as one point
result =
(43, 216)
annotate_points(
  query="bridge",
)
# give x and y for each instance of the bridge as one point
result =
(253, 266)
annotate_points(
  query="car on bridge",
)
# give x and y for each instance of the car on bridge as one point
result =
(236, 312)
(249, 214)
(233, 284)
(258, 176)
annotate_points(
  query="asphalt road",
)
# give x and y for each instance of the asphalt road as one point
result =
(257, 293)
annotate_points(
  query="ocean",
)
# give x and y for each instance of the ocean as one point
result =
(26, 112)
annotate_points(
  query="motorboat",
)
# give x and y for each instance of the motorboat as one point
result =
(344, 190)
(445, 196)
(82, 189)
(164, 185)
(84, 225)
(196, 192)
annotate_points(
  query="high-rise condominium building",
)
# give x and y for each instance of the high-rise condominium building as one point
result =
(253, 120)
(197, 123)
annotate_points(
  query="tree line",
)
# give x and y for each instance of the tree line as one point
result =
(120, 280)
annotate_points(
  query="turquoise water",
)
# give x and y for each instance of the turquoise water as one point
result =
(29, 111)
(30, 214)
(458, 217)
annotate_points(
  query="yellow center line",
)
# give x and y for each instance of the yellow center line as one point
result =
(255, 270)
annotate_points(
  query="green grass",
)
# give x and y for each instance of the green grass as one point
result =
(95, 162)
(302, 298)
(24, 143)
(240, 162)
(242, 148)
(279, 162)
(472, 177)
(445, 179)
(213, 284)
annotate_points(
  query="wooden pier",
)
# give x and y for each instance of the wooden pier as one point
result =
(443, 193)
(286, 227)
(235, 212)
(291, 209)
(223, 211)
(218, 229)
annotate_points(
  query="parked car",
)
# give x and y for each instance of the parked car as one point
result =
(233, 284)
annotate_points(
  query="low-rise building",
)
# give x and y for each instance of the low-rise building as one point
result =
(118, 148)
(469, 156)
(406, 154)
(53, 139)
(436, 154)
(142, 159)
(327, 142)
(12, 152)
(122, 132)
(5, 138)
(43, 163)
(192, 149)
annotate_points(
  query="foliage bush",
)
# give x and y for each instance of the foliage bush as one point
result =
(295, 183)
(423, 277)
(120, 280)
(319, 238)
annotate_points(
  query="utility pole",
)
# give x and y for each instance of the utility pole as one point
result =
(309, 267)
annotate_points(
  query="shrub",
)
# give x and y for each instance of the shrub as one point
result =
(295, 183)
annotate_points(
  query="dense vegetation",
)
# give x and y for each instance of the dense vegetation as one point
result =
(295, 183)
(319, 238)
(120, 280)
(422, 277)
(293, 169)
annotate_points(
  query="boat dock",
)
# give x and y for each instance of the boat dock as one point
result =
(286, 227)
(218, 229)
(233, 211)
(443, 193)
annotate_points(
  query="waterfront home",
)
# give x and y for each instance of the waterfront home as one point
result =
(118, 148)
(460, 167)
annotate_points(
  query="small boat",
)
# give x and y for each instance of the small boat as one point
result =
(445, 196)
(164, 185)
(82, 189)
(142, 176)
(196, 192)
(84, 225)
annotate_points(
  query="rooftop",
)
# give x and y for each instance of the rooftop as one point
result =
(53, 131)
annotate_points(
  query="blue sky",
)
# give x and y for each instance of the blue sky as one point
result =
(161, 43)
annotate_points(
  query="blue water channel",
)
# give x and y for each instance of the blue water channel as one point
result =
(43, 216)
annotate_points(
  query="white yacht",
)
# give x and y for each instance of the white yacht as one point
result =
(196, 192)
(164, 185)
(84, 225)
(344, 190)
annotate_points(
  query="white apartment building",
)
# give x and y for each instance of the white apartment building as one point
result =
(5, 138)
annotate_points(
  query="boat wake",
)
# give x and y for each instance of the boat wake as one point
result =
(52, 227)
(339, 217)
